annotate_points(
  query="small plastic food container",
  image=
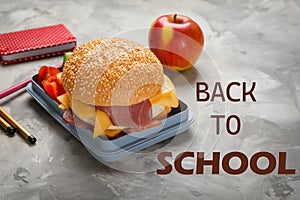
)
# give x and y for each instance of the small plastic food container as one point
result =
(108, 150)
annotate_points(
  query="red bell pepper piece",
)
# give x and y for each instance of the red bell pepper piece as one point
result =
(45, 72)
(53, 86)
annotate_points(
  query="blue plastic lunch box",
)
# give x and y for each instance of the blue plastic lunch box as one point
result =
(109, 150)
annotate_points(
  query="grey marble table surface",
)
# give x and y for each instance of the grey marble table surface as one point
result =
(245, 41)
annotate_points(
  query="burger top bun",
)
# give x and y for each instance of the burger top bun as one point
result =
(112, 71)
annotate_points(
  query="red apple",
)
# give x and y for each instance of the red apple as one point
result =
(176, 40)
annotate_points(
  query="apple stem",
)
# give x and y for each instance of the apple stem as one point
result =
(174, 18)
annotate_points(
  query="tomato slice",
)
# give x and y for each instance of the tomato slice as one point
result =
(45, 72)
(53, 86)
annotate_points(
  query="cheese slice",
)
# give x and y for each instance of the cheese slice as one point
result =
(102, 122)
(163, 114)
(64, 100)
(167, 95)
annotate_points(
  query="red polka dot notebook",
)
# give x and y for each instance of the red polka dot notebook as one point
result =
(35, 43)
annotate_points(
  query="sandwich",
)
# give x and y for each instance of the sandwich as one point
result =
(115, 86)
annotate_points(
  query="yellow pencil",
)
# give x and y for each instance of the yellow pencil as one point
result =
(31, 139)
(7, 127)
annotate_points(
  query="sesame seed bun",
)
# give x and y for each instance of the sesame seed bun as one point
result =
(112, 71)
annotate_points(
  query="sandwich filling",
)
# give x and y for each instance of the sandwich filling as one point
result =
(111, 120)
